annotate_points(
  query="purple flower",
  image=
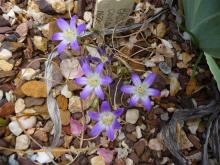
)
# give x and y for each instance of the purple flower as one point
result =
(69, 34)
(93, 80)
(101, 56)
(106, 120)
(141, 91)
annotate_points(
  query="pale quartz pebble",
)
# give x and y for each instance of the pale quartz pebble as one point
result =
(25, 122)
(132, 116)
(164, 93)
(43, 157)
(28, 73)
(19, 105)
(22, 142)
(11, 14)
(139, 7)
(66, 92)
(129, 161)
(122, 153)
(5, 66)
(40, 43)
(10, 96)
(97, 160)
(121, 136)
(155, 144)
(166, 43)
(58, 5)
(12, 160)
(149, 64)
(88, 18)
(164, 160)
(1, 94)
(164, 68)
(186, 36)
(157, 58)
(106, 154)
(5, 54)
(123, 144)
(138, 132)
(143, 126)
(193, 125)
(71, 69)
(174, 86)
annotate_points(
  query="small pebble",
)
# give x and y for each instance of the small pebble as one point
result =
(22, 142)
(122, 153)
(28, 73)
(5, 66)
(138, 132)
(129, 161)
(1, 94)
(164, 116)
(40, 43)
(98, 160)
(19, 105)
(43, 157)
(132, 116)
(66, 92)
(164, 68)
(5, 54)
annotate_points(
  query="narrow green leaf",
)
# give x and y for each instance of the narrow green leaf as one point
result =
(3, 122)
(214, 68)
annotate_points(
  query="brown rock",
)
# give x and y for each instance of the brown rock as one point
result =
(119, 162)
(5, 29)
(34, 89)
(4, 22)
(41, 135)
(139, 147)
(134, 157)
(31, 101)
(62, 102)
(130, 128)
(12, 46)
(22, 29)
(73, 86)
(65, 117)
(131, 137)
(7, 109)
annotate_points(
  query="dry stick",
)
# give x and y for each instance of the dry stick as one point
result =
(114, 99)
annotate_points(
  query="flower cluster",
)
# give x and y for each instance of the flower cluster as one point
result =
(95, 81)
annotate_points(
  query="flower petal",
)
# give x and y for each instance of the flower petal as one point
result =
(99, 68)
(81, 81)
(75, 127)
(86, 68)
(110, 133)
(99, 92)
(135, 79)
(57, 36)
(97, 129)
(116, 125)
(62, 24)
(105, 80)
(81, 28)
(146, 102)
(153, 92)
(73, 22)
(108, 155)
(86, 92)
(75, 45)
(61, 46)
(128, 89)
(133, 100)
(150, 79)
(94, 116)
(105, 106)
(118, 112)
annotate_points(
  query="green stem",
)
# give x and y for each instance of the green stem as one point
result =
(196, 65)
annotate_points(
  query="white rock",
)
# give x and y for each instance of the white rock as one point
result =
(122, 153)
(98, 160)
(43, 157)
(121, 135)
(66, 92)
(88, 18)
(25, 122)
(19, 105)
(22, 142)
(5, 54)
(9, 96)
(155, 144)
(1, 94)
(5, 66)
(28, 73)
(132, 116)
(129, 161)
(138, 132)
(193, 125)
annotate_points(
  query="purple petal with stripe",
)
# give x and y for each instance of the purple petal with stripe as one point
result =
(128, 89)
(81, 28)
(73, 22)
(75, 45)
(150, 79)
(99, 68)
(118, 112)
(94, 116)
(81, 81)
(146, 103)
(106, 80)
(135, 79)
(133, 100)
(97, 129)
(99, 92)
(116, 125)
(57, 36)
(86, 68)
(110, 133)
(153, 92)
(62, 24)
(86, 92)
(105, 106)
(62, 45)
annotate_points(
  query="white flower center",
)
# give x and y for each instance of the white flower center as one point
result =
(141, 90)
(93, 80)
(104, 59)
(69, 35)
(107, 118)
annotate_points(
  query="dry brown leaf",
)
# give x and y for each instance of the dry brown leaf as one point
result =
(191, 87)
